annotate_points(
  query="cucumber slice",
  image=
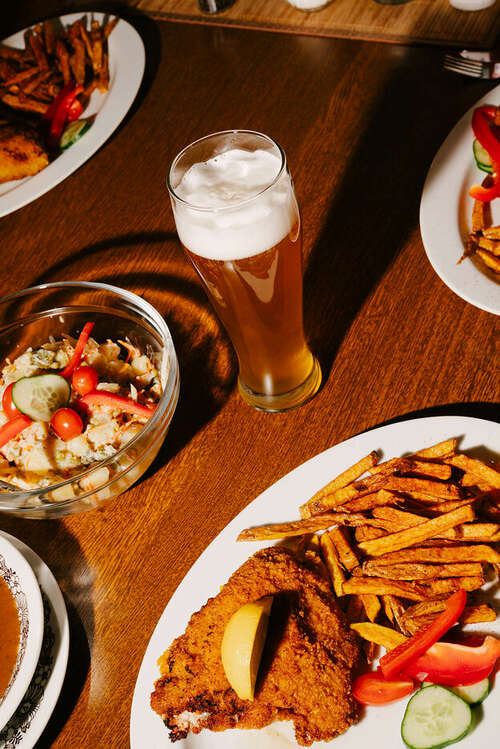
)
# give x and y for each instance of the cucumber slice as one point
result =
(435, 717)
(40, 396)
(473, 693)
(482, 157)
(73, 132)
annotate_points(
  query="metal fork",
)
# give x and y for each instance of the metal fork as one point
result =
(472, 68)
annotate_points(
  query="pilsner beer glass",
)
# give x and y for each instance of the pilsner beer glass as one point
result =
(238, 221)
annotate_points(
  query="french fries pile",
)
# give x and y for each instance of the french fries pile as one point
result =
(484, 239)
(401, 539)
(31, 78)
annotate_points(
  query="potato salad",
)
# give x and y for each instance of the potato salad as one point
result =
(68, 404)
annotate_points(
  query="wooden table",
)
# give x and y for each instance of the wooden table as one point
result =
(360, 123)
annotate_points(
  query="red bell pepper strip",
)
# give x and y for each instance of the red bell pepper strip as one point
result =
(59, 116)
(12, 428)
(485, 194)
(481, 119)
(52, 109)
(396, 661)
(103, 398)
(373, 689)
(481, 126)
(79, 349)
(452, 664)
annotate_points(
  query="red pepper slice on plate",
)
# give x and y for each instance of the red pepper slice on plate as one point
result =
(59, 112)
(50, 112)
(452, 664)
(12, 428)
(481, 119)
(397, 661)
(373, 689)
(103, 398)
(78, 352)
(485, 194)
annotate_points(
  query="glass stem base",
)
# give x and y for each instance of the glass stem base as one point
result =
(284, 401)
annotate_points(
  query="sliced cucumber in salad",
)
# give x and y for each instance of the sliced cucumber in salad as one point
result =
(40, 396)
(73, 132)
(482, 157)
(435, 717)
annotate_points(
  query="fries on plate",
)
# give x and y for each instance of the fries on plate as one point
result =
(398, 537)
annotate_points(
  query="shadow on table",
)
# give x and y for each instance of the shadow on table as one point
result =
(207, 363)
(486, 411)
(375, 207)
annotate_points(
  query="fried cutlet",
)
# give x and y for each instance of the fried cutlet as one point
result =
(306, 666)
(21, 152)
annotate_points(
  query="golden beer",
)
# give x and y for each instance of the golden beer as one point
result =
(247, 251)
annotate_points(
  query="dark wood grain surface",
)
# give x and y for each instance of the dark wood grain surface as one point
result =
(360, 123)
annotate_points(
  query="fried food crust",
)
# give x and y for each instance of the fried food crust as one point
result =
(21, 153)
(306, 667)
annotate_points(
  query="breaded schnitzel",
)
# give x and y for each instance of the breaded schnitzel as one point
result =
(305, 672)
(21, 151)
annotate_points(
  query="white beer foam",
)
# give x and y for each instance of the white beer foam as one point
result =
(258, 221)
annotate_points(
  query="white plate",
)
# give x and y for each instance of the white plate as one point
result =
(21, 580)
(445, 215)
(26, 725)
(279, 503)
(126, 68)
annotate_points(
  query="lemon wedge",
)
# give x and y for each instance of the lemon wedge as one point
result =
(242, 645)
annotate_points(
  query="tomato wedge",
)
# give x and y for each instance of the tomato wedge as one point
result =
(78, 351)
(398, 660)
(453, 665)
(373, 689)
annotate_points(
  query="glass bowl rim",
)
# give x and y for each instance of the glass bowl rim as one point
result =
(169, 392)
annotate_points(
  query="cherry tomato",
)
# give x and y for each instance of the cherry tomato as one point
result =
(66, 423)
(84, 380)
(8, 406)
(373, 689)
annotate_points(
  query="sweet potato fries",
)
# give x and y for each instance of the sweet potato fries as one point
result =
(53, 57)
(398, 537)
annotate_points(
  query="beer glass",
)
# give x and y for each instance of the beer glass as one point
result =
(238, 221)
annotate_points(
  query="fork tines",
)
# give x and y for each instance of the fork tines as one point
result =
(473, 68)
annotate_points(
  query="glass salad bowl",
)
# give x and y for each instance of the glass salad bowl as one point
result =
(35, 316)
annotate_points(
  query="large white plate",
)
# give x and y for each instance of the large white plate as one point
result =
(279, 503)
(26, 725)
(126, 68)
(445, 215)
